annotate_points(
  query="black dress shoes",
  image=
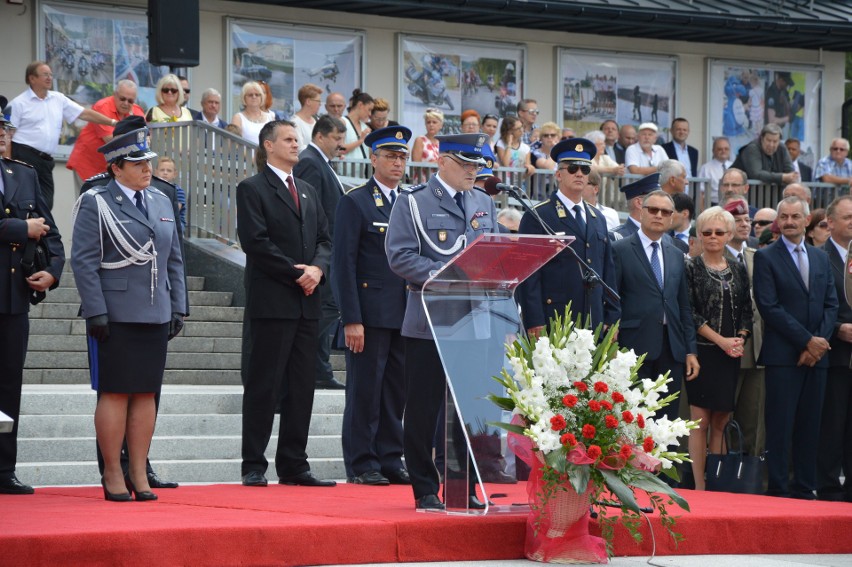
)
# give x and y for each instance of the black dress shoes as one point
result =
(144, 496)
(254, 478)
(399, 476)
(371, 478)
(156, 482)
(330, 384)
(306, 478)
(11, 485)
(475, 503)
(428, 502)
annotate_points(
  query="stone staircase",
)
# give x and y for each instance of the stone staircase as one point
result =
(198, 429)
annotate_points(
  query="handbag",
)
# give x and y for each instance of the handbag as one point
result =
(36, 258)
(735, 471)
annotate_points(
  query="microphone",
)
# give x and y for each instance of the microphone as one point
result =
(493, 185)
(506, 187)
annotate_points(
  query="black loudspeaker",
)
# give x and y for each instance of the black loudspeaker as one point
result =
(173, 32)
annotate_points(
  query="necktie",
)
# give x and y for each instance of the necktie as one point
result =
(392, 197)
(293, 193)
(459, 202)
(579, 216)
(740, 257)
(655, 264)
(803, 266)
(140, 204)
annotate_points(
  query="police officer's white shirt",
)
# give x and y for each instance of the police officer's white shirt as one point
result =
(131, 194)
(636, 222)
(452, 192)
(569, 204)
(386, 191)
(842, 250)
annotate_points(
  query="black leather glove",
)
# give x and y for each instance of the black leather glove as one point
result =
(98, 327)
(175, 325)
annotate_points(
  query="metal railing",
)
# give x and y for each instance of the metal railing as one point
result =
(211, 162)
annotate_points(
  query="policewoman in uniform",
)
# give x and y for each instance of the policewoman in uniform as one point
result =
(372, 306)
(24, 215)
(129, 273)
(559, 282)
(429, 225)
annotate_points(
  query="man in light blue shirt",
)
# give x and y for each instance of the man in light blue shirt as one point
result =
(836, 167)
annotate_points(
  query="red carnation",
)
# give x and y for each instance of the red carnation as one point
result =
(648, 444)
(594, 451)
(627, 416)
(606, 405)
(557, 423)
(589, 431)
(581, 386)
(568, 439)
(626, 451)
(640, 421)
(601, 388)
(617, 397)
(594, 405)
(611, 421)
(569, 401)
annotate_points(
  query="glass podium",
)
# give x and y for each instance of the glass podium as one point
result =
(472, 312)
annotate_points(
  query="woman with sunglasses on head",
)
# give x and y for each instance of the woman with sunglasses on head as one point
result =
(721, 309)
(253, 116)
(170, 98)
(817, 232)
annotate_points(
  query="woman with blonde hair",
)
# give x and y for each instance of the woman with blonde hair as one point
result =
(721, 309)
(170, 99)
(426, 146)
(379, 115)
(547, 138)
(253, 116)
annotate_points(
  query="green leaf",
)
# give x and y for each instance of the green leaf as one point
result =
(620, 490)
(511, 427)
(672, 473)
(579, 478)
(651, 483)
(503, 402)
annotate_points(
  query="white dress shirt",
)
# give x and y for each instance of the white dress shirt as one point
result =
(39, 120)
(635, 156)
(713, 170)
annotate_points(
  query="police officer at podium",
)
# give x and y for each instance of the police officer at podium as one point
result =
(430, 224)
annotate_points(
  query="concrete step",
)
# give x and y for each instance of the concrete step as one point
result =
(196, 298)
(77, 343)
(193, 283)
(199, 313)
(166, 448)
(193, 328)
(81, 376)
(175, 360)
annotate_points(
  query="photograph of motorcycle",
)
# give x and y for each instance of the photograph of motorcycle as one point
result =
(433, 78)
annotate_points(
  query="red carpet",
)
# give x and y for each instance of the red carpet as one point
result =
(282, 525)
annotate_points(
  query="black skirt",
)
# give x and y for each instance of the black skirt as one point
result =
(131, 361)
(716, 385)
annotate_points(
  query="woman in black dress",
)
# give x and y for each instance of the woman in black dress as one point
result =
(721, 307)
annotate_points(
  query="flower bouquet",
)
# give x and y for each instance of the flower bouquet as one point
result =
(586, 425)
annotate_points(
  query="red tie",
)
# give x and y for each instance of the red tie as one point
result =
(293, 192)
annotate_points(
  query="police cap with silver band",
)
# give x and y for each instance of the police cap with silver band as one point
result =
(488, 170)
(641, 186)
(466, 147)
(394, 138)
(574, 150)
(130, 141)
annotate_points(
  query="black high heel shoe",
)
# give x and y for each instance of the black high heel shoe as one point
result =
(140, 496)
(119, 497)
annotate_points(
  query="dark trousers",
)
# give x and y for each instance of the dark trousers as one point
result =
(327, 326)
(125, 460)
(43, 165)
(375, 401)
(835, 437)
(281, 366)
(794, 398)
(425, 390)
(660, 365)
(14, 335)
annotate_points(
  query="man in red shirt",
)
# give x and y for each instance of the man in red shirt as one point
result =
(85, 160)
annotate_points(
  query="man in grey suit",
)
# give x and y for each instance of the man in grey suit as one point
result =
(315, 168)
(429, 225)
(656, 315)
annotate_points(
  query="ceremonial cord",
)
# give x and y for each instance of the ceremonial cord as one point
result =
(415, 217)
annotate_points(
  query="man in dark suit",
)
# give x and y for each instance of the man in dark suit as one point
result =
(24, 216)
(372, 307)
(678, 149)
(794, 148)
(656, 315)
(794, 291)
(559, 282)
(315, 168)
(211, 105)
(835, 437)
(634, 193)
(284, 234)
(626, 137)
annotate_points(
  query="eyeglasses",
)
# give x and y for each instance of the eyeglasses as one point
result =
(731, 184)
(45, 75)
(717, 232)
(125, 99)
(168, 90)
(761, 222)
(252, 94)
(550, 135)
(823, 224)
(393, 158)
(574, 168)
(654, 211)
(467, 166)
(185, 91)
(533, 111)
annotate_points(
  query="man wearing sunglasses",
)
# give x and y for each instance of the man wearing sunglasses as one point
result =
(634, 194)
(559, 282)
(85, 160)
(656, 316)
(528, 114)
(429, 224)
(835, 167)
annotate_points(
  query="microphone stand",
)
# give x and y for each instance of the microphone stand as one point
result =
(589, 276)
